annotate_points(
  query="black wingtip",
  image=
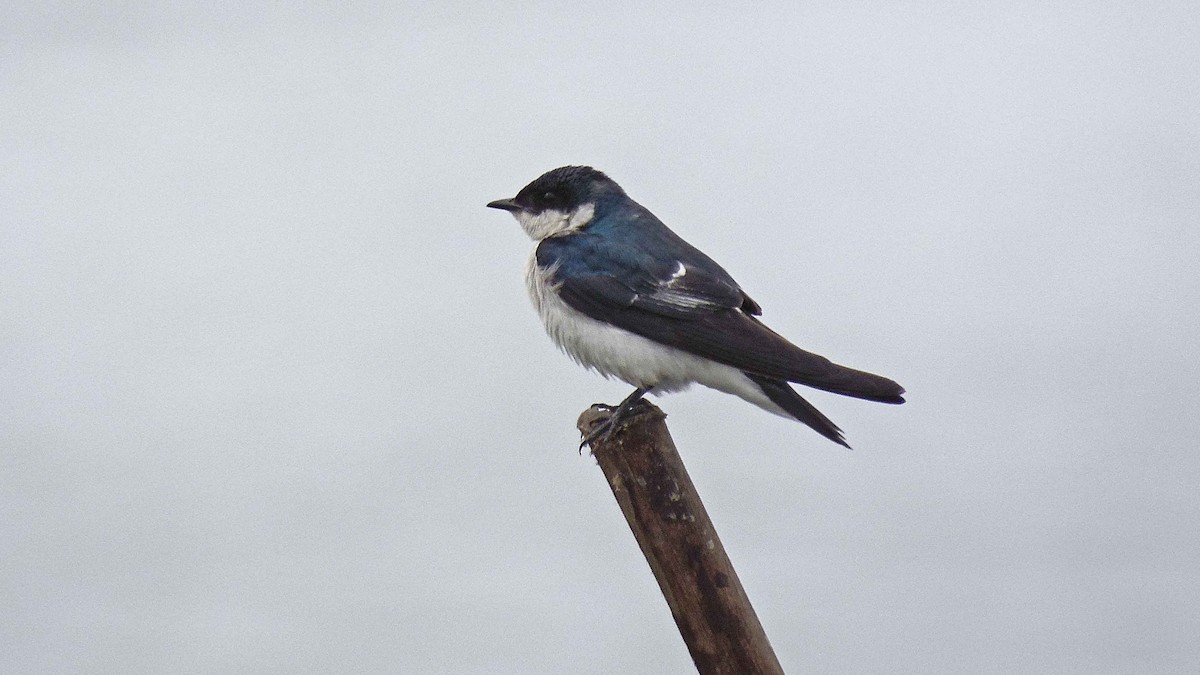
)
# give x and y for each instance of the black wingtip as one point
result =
(795, 405)
(858, 384)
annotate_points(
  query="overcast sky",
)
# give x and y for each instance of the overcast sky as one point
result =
(273, 399)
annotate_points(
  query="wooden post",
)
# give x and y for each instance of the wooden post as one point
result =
(679, 541)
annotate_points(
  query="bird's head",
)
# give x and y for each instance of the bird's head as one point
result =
(560, 201)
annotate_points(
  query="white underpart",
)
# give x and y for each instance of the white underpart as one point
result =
(614, 352)
(552, 222)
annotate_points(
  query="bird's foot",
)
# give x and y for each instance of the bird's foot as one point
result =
(601, 432)
(605, 428)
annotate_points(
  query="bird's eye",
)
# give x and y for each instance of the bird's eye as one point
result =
(550, 196)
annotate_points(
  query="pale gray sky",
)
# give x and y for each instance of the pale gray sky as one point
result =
(272, 398)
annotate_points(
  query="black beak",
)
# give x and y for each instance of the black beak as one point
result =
(505, 204)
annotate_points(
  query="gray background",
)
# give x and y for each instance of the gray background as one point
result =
(272, 398)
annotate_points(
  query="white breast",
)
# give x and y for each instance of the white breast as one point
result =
(615, 352)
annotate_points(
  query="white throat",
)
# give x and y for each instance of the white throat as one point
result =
(552, 222)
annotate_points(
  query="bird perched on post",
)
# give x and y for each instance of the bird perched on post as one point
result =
(622, 294)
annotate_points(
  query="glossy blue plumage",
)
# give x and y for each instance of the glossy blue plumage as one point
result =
(623, 294)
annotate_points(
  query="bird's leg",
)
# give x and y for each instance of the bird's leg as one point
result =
(605, 429)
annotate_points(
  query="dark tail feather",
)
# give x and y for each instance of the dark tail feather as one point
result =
(856, 383)
(785, 397)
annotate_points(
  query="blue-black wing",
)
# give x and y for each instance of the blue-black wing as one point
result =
(699, 309)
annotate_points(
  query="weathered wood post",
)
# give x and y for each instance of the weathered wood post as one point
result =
(679, 541)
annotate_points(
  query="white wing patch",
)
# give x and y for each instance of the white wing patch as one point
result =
(667, 292)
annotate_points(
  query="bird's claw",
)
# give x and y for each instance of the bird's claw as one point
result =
(604, 429)
(601, 432)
